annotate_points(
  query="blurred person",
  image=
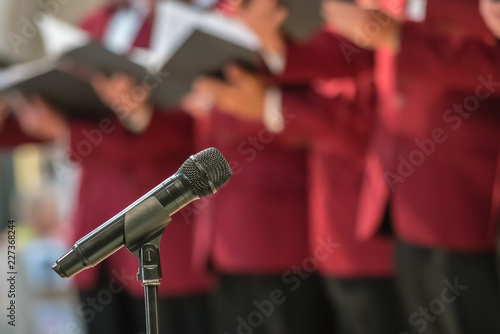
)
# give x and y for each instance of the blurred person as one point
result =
(336, 112)
(122, 166)
(327, 102)
(157, 142)
(121, 158)
(254, 233)
(433, 162)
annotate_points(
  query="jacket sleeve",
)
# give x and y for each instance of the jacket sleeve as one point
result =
(326, 55)
(457, 62)
(308, 115)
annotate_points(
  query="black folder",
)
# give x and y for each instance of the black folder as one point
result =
(66, 91)
(200, 54)
(303, 20)
(64, 81)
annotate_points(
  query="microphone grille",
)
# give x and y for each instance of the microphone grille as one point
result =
(207, 171)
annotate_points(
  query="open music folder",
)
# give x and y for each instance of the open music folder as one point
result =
(303, 20)
(201, 45)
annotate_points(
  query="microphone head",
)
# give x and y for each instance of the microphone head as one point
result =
(207, 171)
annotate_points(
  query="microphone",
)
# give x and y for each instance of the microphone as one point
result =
(145, 219)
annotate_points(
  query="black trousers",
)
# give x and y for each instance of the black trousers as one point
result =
(448, 292)
(365, 305)
(270, 304)
(498, 254)
(125, 314)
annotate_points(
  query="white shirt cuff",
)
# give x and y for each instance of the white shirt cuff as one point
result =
(273, 114)
(275, 61)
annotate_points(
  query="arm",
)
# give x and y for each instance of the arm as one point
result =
(457, 62)
(129, 100)
(325, 55)
(490, 11)
(367, 28)
(35, 121)
(297, 111)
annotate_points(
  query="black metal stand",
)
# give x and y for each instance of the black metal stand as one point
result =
(150, 275)
(143, 240)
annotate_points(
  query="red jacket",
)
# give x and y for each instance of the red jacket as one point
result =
(124, 167)
(258, 222)
(338, 127)
(436, 166)
(96, 24)
(119, 169)
(11, 134)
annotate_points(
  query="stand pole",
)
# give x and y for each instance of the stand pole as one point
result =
(143, 227)
(150, 275)
(151, 294)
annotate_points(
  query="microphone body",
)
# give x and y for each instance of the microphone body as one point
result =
(173, 194)
(146, 218)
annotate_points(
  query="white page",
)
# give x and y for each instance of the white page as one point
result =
(175, 22)
(59, 36)
(140, 56)
(18, 73)
(229, 29)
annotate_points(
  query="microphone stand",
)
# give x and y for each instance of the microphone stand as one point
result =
(143, 229)
(150, 275)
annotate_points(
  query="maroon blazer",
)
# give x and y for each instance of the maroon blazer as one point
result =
(97, 21)
(435, 153)
(324, 56)
(124, 167)
(119, 169)
(338, 127)
(258, 222)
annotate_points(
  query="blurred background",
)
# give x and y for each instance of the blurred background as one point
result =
(364, 139)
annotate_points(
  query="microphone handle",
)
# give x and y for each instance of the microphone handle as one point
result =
(173, 194)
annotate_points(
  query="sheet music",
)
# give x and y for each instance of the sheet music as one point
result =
(176, 21)
(59, 36)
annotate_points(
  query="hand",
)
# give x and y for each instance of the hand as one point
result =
(37, 118)
(242, 96)
(490, 11)
(128, 100)
(198, 104)
(355, 23)
(265, 18)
